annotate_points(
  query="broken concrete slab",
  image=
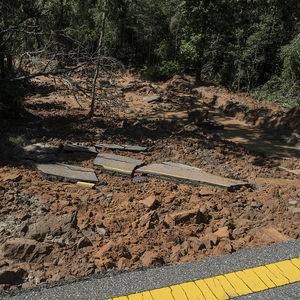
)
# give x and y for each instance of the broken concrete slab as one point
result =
(117, 164)
(152, 98)
(67, 173)
(122, 147)
(79, 148)
(39, 152)
(189, 175)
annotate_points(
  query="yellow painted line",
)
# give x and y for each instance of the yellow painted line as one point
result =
(85, 184)
(172, 175)
(164, 293)
(252, 280)
(217, 286)
(296, 262)
(239, 285)
(178, 293)
(192, 291)
(227, 286)
(117, 169)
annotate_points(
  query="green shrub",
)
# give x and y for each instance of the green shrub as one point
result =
(280, 91)
(162, 72)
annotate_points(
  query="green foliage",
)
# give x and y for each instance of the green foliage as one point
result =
(162, 71)
(279, 91)
(290, 55)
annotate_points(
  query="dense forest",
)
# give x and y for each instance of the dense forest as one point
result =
(248, 46)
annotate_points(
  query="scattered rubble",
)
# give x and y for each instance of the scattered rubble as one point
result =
(52, 230)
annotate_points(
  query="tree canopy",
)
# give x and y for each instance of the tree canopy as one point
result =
(245, 45)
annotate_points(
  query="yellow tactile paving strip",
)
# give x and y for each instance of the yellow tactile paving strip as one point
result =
(228, 285)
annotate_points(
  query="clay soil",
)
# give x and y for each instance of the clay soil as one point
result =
(51, 230)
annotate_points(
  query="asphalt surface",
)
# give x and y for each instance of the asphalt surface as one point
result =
(115, 284)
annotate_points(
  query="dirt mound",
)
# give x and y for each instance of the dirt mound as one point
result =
(52, 230)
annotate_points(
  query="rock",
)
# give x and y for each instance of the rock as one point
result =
(151, 258)
(7, 277)
(151, 98)
(187, 216)
(105, 264)
(254, 204)
(206, 191)
(24, 215)
(140, 179)
(212, 237)
(101, 231)
(51, 225)
(222, 232)
(296, 210)
(113, 250)
(293, 202)
(196, 243)
(19, 248)
(151, 202)
(276, 236)
(124, 263)
(13, 178)
(84, 242)
(148, 218)
(243, 223)
(224, 247)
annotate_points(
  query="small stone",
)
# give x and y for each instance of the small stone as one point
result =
(151, 258)
(296, 210)
(140, 179)
(152, 98)
(186, 216)
(293, 202)
(254, 204)
(13, 177)
(222, 232)
(148, 218)
(276, 236)
(205, 192)
(101, 231)
(151, 202)
(24, 215)
(124, 263)
(196, 243)
(213, 238)
(84, 242)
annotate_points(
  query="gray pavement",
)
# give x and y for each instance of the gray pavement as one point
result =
(68, 173)
(182, 173)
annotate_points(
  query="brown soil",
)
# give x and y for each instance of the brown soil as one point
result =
(57, 230)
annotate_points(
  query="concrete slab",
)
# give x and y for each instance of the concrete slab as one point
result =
(152, 98)
(117, 164)
(78, 148)
(189, 175)
(68, 173)
(39, 152)
(122, 147)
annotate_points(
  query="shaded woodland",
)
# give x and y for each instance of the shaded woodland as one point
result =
(245, 45)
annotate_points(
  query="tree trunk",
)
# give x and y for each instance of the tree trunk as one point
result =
(91, 112)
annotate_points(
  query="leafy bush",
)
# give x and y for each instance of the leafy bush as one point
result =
(162, 72)
(279, 91)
